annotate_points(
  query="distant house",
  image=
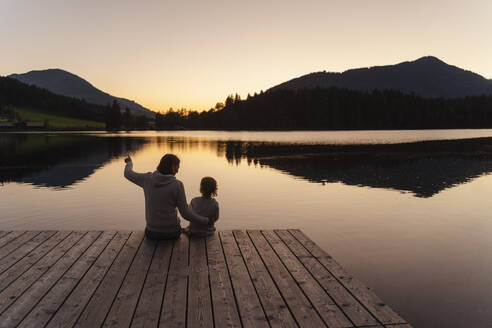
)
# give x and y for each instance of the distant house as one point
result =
(4, 118)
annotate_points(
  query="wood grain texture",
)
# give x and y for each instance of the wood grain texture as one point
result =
(51, 301)
(223, 302)
(28, 300)
(327, 309)
(364, 294)
(71, 309)
(12, 291)
(100, 303)
(173, 313)
(4, 233)
(18, 269)
(149, 305)
(302, 309)
(250, 308)
(276, 309)
(16, 243)
(23, 250)
(6, 239)
(199, 300)
(124, 305)
(349, 305)
(254, 278)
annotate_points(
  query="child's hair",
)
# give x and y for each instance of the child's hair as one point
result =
(208, 187)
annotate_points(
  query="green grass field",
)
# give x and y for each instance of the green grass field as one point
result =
(55, 121)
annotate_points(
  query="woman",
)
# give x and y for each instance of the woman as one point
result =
(163, 194)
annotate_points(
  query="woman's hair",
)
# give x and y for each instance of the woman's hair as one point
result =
(167, 163)
(208, 187)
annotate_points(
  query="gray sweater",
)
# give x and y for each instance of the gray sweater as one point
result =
(204, 206)
(163, 194)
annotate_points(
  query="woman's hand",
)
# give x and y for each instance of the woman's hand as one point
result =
(128, 159)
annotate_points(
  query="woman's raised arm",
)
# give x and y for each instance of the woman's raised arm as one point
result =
(136, 178)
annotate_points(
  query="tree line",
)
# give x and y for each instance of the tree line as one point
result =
(335, 109)
(278, 109)
(117, 120)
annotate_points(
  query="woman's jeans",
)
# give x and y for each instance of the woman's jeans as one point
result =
(161, 235)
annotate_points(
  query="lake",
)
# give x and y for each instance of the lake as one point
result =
(407, 212)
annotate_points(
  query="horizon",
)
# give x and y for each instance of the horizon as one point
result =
(192, 55)
(243, 97)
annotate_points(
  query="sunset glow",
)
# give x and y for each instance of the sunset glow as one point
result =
(193, 54)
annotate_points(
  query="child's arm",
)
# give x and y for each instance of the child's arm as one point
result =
(215, 216)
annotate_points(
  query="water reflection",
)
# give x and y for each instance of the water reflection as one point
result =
(58, 161)
(422, 168)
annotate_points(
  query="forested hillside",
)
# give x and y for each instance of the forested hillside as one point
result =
(334, 108)
(16, 93)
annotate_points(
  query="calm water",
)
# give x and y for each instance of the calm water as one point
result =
(412, 220)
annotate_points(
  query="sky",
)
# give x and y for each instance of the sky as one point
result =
(192, 54)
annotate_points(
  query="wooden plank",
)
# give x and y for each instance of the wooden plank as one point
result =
(149, 305)
(100, 303)
(199, 300)
(16, 270)
(9, 237)
(365, 296)
(322, 302)
(13, 244)
(300, 306)
(123, 308)
(23, 250)
(250, 309)
(26, 302)
(51, 301)
(24, 281)
(71, 309)
(4, 233)
(224, 305)
(173, 313)
(352, 308)
(277, 312)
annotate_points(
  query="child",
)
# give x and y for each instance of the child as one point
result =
(205, 205)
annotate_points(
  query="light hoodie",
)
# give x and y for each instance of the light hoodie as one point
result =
(163, 194)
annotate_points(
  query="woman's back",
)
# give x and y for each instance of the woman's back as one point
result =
(163, 194)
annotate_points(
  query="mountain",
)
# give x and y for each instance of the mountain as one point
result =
(67, 84)
(428, 77)
(20, 97)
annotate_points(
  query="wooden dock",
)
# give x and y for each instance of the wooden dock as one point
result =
(267, 278)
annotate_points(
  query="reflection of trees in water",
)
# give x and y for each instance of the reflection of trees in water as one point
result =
(423, 168)
(58, 160)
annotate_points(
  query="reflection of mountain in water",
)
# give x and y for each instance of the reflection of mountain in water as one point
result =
(423, 168)
(58, 160)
